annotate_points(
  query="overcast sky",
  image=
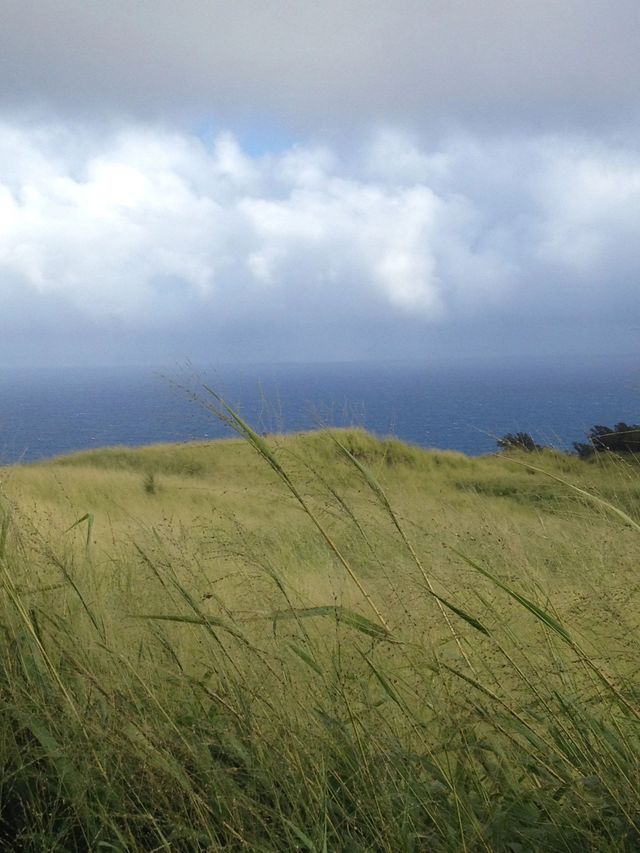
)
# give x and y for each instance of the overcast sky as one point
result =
(350, 179)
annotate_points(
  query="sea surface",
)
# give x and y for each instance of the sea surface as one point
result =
(463, 406)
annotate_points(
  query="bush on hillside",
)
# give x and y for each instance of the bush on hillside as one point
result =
(622, 438)
(518, 441)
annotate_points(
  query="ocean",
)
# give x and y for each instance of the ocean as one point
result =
(463, 406)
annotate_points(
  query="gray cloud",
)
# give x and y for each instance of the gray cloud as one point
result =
(466, 178)
(159, 245)
(330, 66)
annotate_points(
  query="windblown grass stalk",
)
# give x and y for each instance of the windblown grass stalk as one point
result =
(321, 642)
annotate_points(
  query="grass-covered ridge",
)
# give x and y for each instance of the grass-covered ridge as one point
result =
(322, 642)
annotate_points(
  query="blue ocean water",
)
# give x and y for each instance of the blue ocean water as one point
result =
(463, 406)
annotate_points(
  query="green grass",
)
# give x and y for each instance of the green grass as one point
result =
(319, 642)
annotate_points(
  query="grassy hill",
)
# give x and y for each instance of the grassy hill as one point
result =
(320, 642)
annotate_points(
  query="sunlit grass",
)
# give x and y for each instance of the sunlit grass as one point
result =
(320, 642)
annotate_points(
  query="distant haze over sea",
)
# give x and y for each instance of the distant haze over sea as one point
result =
(459, 406)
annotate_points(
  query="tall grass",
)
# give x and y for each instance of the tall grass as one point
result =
(323, 643)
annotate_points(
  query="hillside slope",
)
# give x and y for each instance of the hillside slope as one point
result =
(319, 641)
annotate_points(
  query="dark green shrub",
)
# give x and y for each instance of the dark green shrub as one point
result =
(518, 441)
(622, 438)
(149, 483)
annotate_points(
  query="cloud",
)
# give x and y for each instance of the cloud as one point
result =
(590, 200)
(339, 64)
(150, 231)
(146, 224)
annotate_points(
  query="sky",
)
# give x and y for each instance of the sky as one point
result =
(292, 180)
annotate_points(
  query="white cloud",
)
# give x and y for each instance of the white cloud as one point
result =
(397, 157)
(155, 228)
(591, 205)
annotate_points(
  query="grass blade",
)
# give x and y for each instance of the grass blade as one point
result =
(340, 614)
(529, 605)
(205, 621)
